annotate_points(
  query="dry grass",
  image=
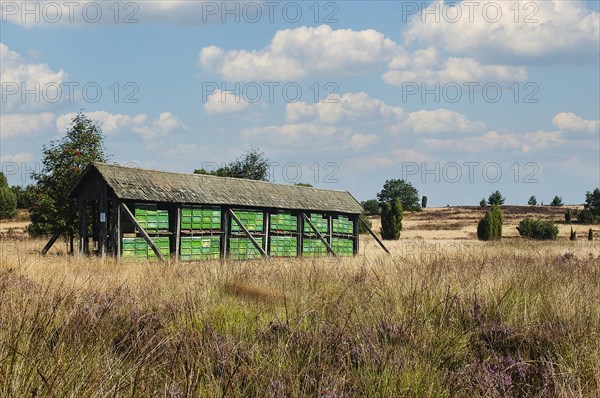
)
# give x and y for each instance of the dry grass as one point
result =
(442, 316)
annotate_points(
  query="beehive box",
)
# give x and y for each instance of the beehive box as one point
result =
(200, 218)
(151, 219)
(200, 248)
(283, 246)
(138, 248)
(244, 249)
(283, 222)
(343, 247)
(313, 247)
(319, 221)
(342, 225)
(252, 220)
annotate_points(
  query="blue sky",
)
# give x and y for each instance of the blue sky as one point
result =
(388, 90)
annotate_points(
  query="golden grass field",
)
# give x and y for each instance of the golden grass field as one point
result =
(444, 316)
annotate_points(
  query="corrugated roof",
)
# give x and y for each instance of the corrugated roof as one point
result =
(130, 183)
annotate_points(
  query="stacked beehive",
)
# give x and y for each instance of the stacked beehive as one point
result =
(151, 219)
(139, 248)
(311, 244)
(342, 225)
(284, 246)
(199, 223)
(200, 218)
(200, 248)
(342, 246)
(244, 249)
(240, 247)
(283, 222)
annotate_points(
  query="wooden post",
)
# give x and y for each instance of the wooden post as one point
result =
(118, 233)
(177, 231)
(375, 237)
(81, 226)
(356, 234)
(245, 231)
(103, 214)
(225, 228)
(300, 234)
(329, 249)
(145, 235)
(56, 235)
(266, 227)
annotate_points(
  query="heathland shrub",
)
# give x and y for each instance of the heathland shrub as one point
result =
(391, 219)
(568, 215)
(362, 229)
(590, 235)
(585, 216)
(573, 235)
(490, 226)
(538, 229)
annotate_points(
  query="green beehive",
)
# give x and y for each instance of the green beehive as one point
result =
(313, 247)
(200, 218)
(128, 245)
(163, 220)
(283, 222)
(283, 246)
(343, 247)
(252, 220)
(342, 225)
(200, 248)
(244, 249)
(319, 221)
(163, 244)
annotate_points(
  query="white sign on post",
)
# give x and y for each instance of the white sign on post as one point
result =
(102, 217)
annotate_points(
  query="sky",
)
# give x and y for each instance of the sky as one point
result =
(460, 98)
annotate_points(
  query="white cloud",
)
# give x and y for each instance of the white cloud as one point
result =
(556, 29)
(224, 102)
(295, 53)
(495, 141)
(428, 65)
(437, 121)
(18, 75)
(24, 125)
(309, 135)
(166, 123)
(571, 122)
(350, 107)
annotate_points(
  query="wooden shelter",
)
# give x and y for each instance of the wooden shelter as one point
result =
(112, 197)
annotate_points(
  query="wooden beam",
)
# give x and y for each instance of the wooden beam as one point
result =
(245, 231)
(56, 235)
(177, 231)
(145, 235)
(329, 249)
(374, 236)
(356, 233)
(225, 228)
(103, 214)
(118, 232)
(81, 226)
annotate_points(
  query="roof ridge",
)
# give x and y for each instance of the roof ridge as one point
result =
(219, 177)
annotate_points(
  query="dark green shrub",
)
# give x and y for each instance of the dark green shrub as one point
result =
(585, 216)
(568, 216)
(496, 198)
(362, 229)
(557, 201)
(538, 229)
(573, 235)
(8, 200)
(590, 235)
(391, 219)
(490, 226)
(371, 206)
(532, 201)
(424, 202)
(482, 203)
